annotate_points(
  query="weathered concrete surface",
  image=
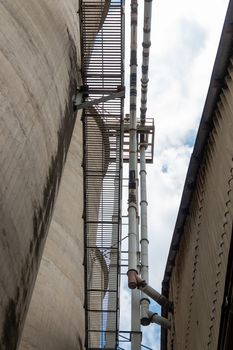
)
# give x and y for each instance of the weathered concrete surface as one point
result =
(39, 72)
(39, 62)
(55, 319)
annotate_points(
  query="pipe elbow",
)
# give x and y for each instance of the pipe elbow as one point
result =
(161, 321)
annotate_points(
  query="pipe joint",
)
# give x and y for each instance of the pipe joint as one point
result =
(133, 92)
(132, 278)
(146, 45)
(144, 240)
(143, 145)
(145, 321)
(146, 30)
(162, 321)
(133, 106)
(145, 54)
(132, 205)
(144, 69)
(144, 81)
(134, 5)
(144, 299)
(141, 283)
(152, 315)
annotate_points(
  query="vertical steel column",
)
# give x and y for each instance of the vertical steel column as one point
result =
(132, 200)
(145, 57)
(143, 144)
(144, 236)
(136, 337)
(133, 186)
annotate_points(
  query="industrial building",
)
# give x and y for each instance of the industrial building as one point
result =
(198, 275)
(64, 139)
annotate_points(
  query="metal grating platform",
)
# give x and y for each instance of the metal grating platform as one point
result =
(148, 130)
(102, 72)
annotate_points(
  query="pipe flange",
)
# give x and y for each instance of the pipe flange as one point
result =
(151, 317)
(145, 321)
(146, 299)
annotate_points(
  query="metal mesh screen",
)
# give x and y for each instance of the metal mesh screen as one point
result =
(102, 71)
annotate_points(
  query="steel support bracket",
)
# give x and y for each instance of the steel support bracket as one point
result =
(92, 103)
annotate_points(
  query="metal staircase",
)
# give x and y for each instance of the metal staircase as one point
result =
(102, 50)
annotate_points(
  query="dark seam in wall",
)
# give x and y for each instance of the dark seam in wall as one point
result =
(15, 311)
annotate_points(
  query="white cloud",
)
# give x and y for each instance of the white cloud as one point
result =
(185, 35)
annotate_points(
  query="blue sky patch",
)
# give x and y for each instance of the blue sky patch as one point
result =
(190, 138)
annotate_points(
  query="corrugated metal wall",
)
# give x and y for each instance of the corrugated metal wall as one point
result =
(198, 278)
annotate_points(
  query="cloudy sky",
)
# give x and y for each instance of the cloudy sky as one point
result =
(185, 36)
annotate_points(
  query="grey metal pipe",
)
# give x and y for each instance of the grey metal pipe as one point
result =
(132, 207)
(143, 203)
(153, 294)
(162, 321)
(146, 315)
(145, 57)
(135, 320)
(144, 234)
(136, 336)
(133, 186)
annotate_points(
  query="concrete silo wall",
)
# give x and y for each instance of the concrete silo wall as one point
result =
(39, 73)
(55, 318)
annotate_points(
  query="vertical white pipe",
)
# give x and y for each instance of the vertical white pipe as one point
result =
(145, 57)
(132, 208)
(133, 187)
(143, 203)
(135, 301)
(144, 234)
(135, 320)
